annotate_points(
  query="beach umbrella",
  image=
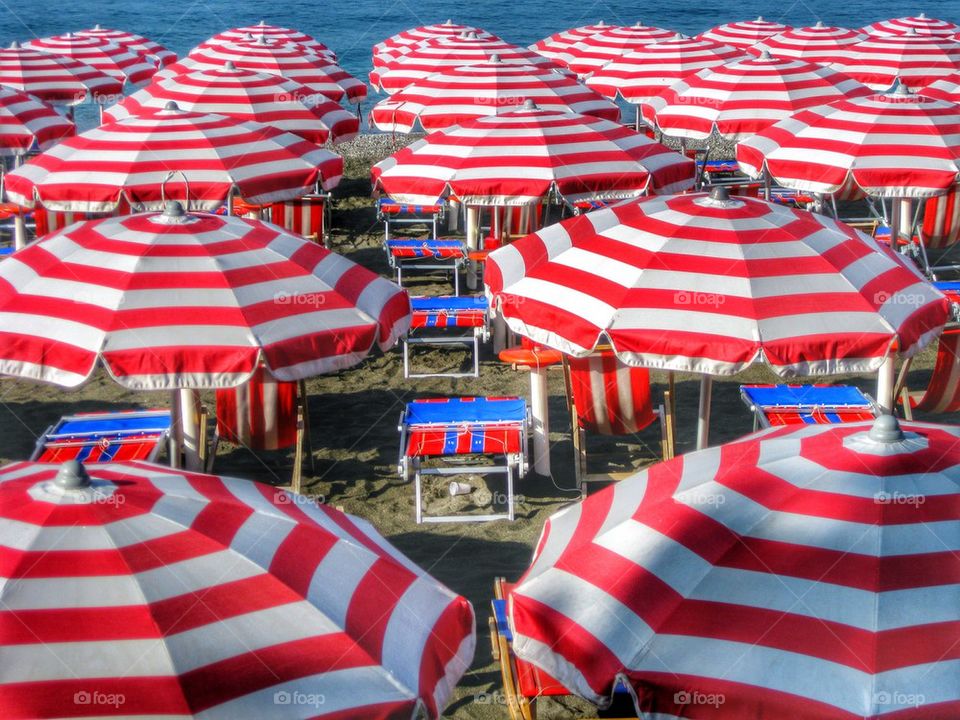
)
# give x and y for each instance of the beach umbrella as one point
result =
(245, 95)
(801, 572)
(644, 73)
(596, 50)
(895, 145)
(916, 60)
(817, 44)
(137, 43)
(187, 301)
(459, 94)
(130, 160)
(743, 97)
(556, 46)
(746, 33)
(292, 62)
(28, 124)
(114, 60)
(404, 41)
(136, 589)
(271, 33)
(712, 285)
(53, 78)
(946, 88)
(438, 54)
(520, 157)
(921, 24)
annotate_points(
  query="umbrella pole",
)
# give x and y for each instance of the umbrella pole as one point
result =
(19, 231)
(894, 225)
(185, 441)
(176, 437)
(886, 380)
(541, 420)
(473, 232)
(703, 416)
(766, 184)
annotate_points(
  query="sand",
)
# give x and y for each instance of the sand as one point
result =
(353, 418)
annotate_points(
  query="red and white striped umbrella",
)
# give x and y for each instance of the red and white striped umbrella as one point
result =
(946, 88)
(403, 42)
(464, 93)
(556, 46)
(53, 78)
(709, 284)
(438, 54)
(818, 44)
(129, 161)
(137, 43)
(743, 97)
(245, 95)
(920, 24)
(917, 60)
(289, 61)
(271, 33)
(28, 124)
(167, 301)
(596, 50)
(517, 158)
(746, 33)
(136, 589)
(115, 60)
(640, 75)
(894, 145)
(801, 572)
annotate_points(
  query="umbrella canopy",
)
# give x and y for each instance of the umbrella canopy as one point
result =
(131, 41)
(639, 75)
(181, 595)
(438, 54)
(130, 160)
(172, 300)
(709, 284)
(292, 62)
(946, 88)
(28, 124)
(817, 44)
(556, 46)
(746, 33)
(271, 33)
(114, 60)
(916, 60)
(53, 78)
(804, 571)
(404, 41)
(743, 97)
(892, 145)
(596, 50)
(518, 157)
(459, 94)
(245, 95)
(921, 24)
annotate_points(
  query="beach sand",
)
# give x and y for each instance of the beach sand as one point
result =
(353, 419)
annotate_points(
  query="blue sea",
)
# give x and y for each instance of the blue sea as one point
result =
(352, 27)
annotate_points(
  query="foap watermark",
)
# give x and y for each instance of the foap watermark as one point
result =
(282, 497)
(113, 499)
(695, 697)
(701, 498)
(300, 299)
(698, 299)
(883, 297)
(495, 697)
(100, 699)
(899, 699)
(297, 698)
(500, 101)
(898, 498)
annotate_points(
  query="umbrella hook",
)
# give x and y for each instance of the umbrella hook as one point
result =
(186, 185)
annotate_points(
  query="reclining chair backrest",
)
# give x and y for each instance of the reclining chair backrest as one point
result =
(609, 397)
(261, 414)
(303, 216)
(943, 393)
(941, 220)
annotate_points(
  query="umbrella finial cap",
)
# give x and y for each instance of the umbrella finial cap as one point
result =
(720, 194)
(449, 22)
(765, 55)
(922, 16)
(819, 25)
(886, 429)
(228, 65)
(495, 58)
(173, 209)
(15, 45)
(97, 27)
(898, 88)
(72, 475)
(529, 104)
(171, 106)
(759, 19)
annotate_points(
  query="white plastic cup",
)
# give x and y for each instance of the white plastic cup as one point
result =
(459, 488)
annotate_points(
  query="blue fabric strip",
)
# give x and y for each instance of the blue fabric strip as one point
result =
(460, 410)
(449, 302)
(805, 395)
(113, 425)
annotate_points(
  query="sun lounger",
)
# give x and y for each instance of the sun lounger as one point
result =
(449, 430)
(806, 404)
(447, 320)
(942, 394)
(523, 683)
(447, 254)
(104, 437)
(608, 397)
(392, 214)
